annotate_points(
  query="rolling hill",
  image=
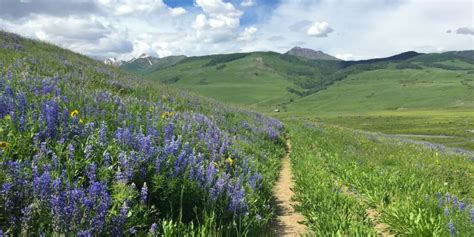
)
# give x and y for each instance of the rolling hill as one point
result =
(434, 90)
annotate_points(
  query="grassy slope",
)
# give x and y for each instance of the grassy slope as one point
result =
(430, 102)
(43, 84)
(245, 81)
(436, 99)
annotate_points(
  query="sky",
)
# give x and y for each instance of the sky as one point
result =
(348, 29)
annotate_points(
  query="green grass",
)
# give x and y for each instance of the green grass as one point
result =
(244, 82)
(406, 184)
(423, 102)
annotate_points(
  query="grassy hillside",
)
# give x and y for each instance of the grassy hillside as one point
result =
(415, 93)
(88, 150)
(244, 81)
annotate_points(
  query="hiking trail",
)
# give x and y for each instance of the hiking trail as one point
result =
(288, 222)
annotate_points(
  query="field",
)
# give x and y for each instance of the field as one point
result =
(91, 150)
(371, 185)
(428, 95)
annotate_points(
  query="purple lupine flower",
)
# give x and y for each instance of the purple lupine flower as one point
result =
(144, 194)
(455, 202)
(91, 172)
(153, 228)
(446, 211)
(451, 228)
(237, 202)
(472, 215)
(218, 187)
(107, 159)
(448, 197)
(255, 181)
(71, 150)
(88, 151)
(169, 129)
(462, 205)
(50, 115)
(210, 174)
(42, 186)
(103, 134)
(84, 233)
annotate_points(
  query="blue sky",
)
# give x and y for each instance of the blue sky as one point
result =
(348, 29)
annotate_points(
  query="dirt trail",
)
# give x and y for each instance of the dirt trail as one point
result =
(288, 222)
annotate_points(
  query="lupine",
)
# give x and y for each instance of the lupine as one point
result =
(452, 229)
(153, 228)
(75, 160)
(144, 193)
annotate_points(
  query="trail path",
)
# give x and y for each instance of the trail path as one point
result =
(288, 222)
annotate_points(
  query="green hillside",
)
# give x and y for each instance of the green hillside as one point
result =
(90, 150)
(359, 94)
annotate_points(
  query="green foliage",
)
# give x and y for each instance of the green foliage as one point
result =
(410, 186)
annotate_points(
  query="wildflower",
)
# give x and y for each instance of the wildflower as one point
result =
(446, 211)
(472, 215)
(230, 161)
(153, 228)
(143, 194)
(4, 145)
(462, 205)
(74, 113)
(258, 217)
(167, 115)
(452, 229)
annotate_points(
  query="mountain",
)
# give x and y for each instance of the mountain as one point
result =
(397, 57)
(113, 62)
(310, 54)
(145, 63)
(266, 80)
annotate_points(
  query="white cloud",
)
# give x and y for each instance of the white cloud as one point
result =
(178, 11)
(126, 28)
(90, 35)
(248, 34)
(465, 31)
(319, 29)
(125, 7)
(247, 3)
(220, 21)
(345, 56)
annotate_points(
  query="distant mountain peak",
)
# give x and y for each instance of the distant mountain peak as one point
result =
(144, 55)
(113, 62)
(310, 54)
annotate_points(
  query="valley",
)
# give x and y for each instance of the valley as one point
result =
(409, 93)
(245, 144)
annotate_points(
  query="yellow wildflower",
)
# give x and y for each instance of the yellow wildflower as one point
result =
(4, 145)
(74, 113)
(81, 120)
(166, 115)
(230, 161)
